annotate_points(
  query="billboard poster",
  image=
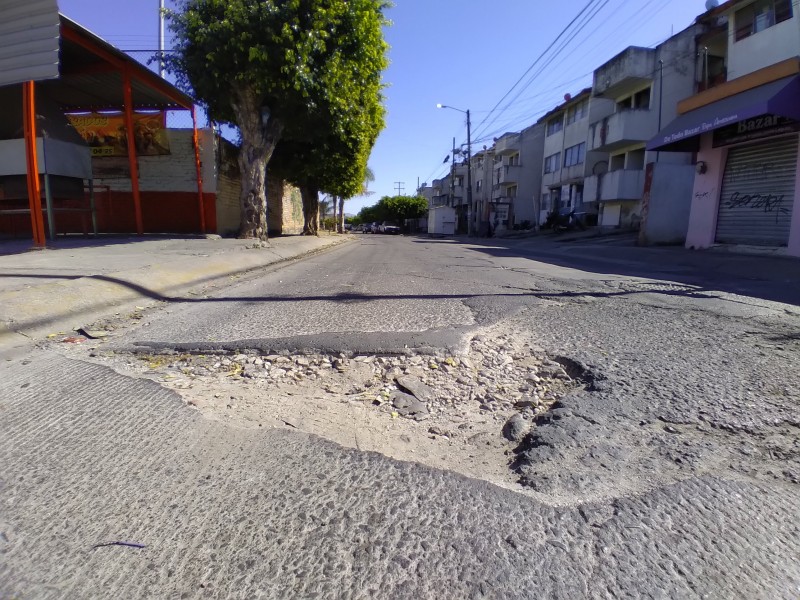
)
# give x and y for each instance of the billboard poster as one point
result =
(106, 135)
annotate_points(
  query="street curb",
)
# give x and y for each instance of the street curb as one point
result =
(36, 311)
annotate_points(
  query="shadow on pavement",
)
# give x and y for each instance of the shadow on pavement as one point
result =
(773, 278)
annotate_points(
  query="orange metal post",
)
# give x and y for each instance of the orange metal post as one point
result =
(137, 200)
(31, 156)
(196, 143)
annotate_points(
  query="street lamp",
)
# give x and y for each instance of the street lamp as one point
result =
(471, 224)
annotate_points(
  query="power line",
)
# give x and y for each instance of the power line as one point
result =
(539, 59)
(563, 45)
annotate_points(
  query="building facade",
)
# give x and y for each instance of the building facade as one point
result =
(516, 178)
(644, 85)
(743, 124)
(566, 160)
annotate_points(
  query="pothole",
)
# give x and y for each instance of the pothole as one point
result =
(465, 413)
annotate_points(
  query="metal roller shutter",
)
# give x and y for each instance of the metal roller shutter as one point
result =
(758, 193)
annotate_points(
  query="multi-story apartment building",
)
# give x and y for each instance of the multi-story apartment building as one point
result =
(482, 162)
(567, 161)
(516, 177)
(644, 85)
(451, 190)
(743, 123)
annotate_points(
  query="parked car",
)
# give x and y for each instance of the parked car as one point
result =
(374, 228)
(389, 229)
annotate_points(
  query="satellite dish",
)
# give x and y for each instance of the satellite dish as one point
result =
(568, 97)
(711, 4)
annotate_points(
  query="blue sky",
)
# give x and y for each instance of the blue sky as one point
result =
(467, 54)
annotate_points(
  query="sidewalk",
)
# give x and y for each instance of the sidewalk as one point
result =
(76, 282)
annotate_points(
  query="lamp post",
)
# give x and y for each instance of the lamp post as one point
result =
(471, 224)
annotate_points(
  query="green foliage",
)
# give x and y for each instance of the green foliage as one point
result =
(330, 150)
(395, 209)
(315, 64)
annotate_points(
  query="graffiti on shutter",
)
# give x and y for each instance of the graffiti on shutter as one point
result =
(758, 193)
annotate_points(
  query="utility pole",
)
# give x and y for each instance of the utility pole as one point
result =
(474, 219)
(400, 187)
(452, 194)
(161, 68)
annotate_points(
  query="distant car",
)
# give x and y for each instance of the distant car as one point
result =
(389, 229)
(374, 228)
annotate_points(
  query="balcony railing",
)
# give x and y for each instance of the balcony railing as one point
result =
(507, 144)
(624, 72)
(625, 184)
(623, 129)
(509, 174)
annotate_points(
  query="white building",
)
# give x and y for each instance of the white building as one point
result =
(743, 122)
(567, 161)
(645, 85)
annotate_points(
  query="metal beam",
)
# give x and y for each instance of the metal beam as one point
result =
(137, 200)
(32, 160)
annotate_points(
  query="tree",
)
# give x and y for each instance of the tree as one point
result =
(275, 68)
(329, 154)
(396, 209)
(369, 177)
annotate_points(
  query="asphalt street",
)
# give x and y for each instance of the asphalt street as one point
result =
(674, 475)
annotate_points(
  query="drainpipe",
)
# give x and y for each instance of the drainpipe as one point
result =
(660, 99)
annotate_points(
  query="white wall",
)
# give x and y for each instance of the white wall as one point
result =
(764, 48)
(177, 171)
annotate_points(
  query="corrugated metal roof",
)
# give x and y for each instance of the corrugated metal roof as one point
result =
(29, 41)
(91, 75)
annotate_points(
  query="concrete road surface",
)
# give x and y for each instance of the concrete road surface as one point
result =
(674, 475)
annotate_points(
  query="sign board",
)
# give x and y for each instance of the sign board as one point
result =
(500, 212)
(754, 129)
(106, 134)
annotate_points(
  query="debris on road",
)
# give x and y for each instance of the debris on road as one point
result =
(120, 543)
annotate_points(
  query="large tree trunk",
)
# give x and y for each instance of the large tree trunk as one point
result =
(340, 217)
(310, 196)
(258, 142)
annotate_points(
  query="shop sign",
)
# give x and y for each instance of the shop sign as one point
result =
(754, 129)
(106, 134)
(500, 212)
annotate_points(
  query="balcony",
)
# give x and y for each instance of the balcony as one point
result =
(625, 72)
(507, 144)
(623, 129)
(614, 186)
(508, 174)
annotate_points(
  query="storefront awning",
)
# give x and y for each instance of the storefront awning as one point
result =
(780, 98)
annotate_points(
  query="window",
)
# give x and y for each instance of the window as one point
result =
(641, 99)
(555, 125)
(545, 202)
(577, 112)
(511, 191)
(513, 160)
(761, 15)
(551, 163)
(638, 101)
(575, 155)
(478, 185)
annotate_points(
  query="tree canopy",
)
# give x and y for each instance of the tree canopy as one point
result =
(305, 71)
(395, 209)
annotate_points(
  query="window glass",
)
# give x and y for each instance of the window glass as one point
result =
(555, 126)
(761, 15)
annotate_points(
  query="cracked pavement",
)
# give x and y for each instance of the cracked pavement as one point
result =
(675, 475)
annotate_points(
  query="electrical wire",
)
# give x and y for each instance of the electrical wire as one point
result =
(533, 65)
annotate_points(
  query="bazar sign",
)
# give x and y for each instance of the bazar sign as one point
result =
(700, 128)
(754, 129)
(107, 135)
